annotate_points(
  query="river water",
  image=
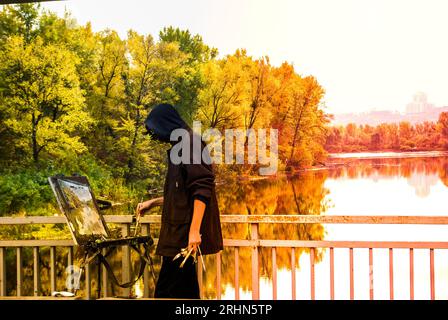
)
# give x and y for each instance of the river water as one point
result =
(353, 184)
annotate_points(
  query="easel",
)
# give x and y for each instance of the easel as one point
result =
(93, 251)
(78, 204)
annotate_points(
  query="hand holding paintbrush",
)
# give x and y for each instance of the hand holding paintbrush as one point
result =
(138, 216)
(186, 253)
(143, 207)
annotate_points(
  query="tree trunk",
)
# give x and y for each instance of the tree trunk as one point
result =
(34, 139)
(296, 130)
(133, 144)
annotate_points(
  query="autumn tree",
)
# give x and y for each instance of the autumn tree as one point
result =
(189, 85)
(443, 128)
(223, 96)
(42, 98)
(305, 118)
(105, 101)
(191, 44)
(153, 71)
(69, 95)
(386, 136)
(261, 90)
(19, 20)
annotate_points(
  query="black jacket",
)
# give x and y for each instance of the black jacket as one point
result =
(183, 184)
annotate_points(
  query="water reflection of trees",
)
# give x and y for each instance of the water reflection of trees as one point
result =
(443, 172)
(304, 194)
(389, 168)
(421, 173)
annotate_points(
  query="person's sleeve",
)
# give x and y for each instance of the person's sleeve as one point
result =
(202, 199)
(200, 181)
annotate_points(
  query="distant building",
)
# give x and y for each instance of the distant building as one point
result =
(418, 111)
(419, 104)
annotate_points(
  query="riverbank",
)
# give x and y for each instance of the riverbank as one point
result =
(388, 154)
(345, 158)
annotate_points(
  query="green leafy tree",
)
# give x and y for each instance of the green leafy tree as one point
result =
(80, 40)
(21, 19)
(42, 98)
(198, 53)
(154, 69)
(193, 45)
(106, 98)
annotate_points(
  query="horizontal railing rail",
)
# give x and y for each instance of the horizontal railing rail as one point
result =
(250, 219)
(255, 243)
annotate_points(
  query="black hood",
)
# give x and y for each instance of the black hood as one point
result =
(162, 120)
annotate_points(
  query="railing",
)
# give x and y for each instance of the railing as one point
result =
(255, 243)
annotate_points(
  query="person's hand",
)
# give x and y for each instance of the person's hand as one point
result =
(194, 240)
(142, 207)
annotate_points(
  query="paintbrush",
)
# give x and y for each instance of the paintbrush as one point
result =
(137, 223)
(187, 253)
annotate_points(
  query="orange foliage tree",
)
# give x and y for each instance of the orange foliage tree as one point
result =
(401, 136)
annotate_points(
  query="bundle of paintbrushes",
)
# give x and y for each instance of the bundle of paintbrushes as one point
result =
(186, 253)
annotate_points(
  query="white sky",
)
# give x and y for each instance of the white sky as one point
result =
(366, 53)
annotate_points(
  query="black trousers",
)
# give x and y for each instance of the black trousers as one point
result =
(175, 282)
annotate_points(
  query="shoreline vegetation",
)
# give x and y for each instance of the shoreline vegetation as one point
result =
(388, 154)
(336, 160)
(402, 136)
(73, 100)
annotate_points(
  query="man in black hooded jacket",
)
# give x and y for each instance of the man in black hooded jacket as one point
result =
(190, 214)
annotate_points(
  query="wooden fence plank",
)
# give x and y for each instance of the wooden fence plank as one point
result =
(371, 293)
(411, 274)
(53, 268)
(431, 274)
(146, 276)
(332, 273)
(335, 244)
(36, 271)
(125, 261)
(19, 265)
(237, 274)
(2, 272)
(36, 243)
(70, 267)
(274, 273)
(391, 274)
(293, 274)
(352, 282)
(312, 274)
(289, 218)
(255, 266)
(218, 275)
